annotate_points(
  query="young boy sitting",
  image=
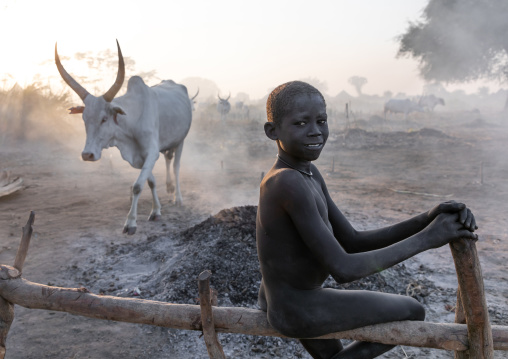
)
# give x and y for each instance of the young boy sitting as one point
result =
(302, 238)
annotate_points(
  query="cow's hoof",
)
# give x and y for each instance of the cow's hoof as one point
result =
(129, 230)
(170, 188)
(154, 217)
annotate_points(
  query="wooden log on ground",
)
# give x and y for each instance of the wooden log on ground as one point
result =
(227, 319)
(205, 302)
(9, 185)
(472, 295)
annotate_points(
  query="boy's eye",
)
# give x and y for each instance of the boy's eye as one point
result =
(300, 123)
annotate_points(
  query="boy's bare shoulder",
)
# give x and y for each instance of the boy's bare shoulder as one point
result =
(280, 178)
(281, 184)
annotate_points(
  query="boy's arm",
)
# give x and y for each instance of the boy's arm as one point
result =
(295, 197)
(360, 241)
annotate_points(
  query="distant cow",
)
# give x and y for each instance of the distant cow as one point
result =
(242, 110)
(430, 102)
(402, 106)
(223, 106)
(192, 100)
(141, 123)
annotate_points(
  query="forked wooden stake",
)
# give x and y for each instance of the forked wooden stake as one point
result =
(472, 300)
(212, 342)
(6, 318)
(460, 318)
(7, 308)
(25, 242)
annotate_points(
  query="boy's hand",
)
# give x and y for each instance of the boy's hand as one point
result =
(445, 228)
(466, 217)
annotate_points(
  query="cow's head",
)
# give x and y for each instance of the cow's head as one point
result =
(223, 106)
(99, 113)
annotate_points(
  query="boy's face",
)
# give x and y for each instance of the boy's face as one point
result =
(303, 130)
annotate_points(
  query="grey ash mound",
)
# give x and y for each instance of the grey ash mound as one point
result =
(225, 244)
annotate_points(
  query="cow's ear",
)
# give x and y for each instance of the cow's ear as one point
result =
(77, 109)
(117, 111)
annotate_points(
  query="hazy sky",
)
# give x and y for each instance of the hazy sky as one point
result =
(242, 47)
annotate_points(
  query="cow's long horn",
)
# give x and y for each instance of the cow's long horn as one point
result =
(196, 95)
(80, 90)
(219, 97)
(228, 96)
(110, 95)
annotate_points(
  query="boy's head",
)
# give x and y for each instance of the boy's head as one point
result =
(281, 99)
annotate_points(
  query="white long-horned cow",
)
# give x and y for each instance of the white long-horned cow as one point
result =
(430, 102)
(405, 106)
(141, 123)
(223, 106)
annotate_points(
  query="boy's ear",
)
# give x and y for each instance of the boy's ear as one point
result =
(270, 131)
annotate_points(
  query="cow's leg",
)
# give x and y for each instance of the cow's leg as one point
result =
(168, 156)
(176, 170)
(146, 171)
(156, 205)
(130, 224)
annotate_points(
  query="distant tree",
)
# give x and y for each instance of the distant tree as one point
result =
(460, 41)
(388, 94)
(104, 63)
(358, 82)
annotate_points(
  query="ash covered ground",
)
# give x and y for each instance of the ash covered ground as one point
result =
(377, 177)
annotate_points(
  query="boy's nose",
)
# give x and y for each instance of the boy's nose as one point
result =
(314, 131)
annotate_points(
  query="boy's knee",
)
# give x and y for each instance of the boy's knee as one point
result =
(417, 311)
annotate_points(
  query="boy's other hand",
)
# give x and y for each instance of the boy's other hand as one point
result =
(447, 227)
(466, 217)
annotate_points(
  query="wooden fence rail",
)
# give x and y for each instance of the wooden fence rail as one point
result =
(476, 339)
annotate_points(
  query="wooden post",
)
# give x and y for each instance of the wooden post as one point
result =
(6, 318)
(481, 172)
(212, 342)
(25, 242)
(460, 318)
(7, 308)
(472, 299)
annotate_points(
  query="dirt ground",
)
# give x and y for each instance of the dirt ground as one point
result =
(377, 175)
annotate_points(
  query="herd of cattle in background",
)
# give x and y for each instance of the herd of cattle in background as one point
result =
(406, 106)
(146, 121)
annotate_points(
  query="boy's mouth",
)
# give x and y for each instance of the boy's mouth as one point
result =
(314, 145)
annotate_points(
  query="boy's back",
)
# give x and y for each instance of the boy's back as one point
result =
(285, 259)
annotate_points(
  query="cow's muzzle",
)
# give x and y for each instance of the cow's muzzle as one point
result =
(88, 156)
